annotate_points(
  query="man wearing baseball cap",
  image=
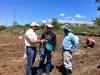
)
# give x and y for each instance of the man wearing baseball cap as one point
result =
(69, 45)
(47, 48)
(30, 45)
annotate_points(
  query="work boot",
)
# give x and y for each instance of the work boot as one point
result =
(68, 72)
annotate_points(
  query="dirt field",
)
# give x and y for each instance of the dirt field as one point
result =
(85, 61)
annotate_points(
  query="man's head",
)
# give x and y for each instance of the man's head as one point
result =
(67, 28)
(49, 27)
(34, 25)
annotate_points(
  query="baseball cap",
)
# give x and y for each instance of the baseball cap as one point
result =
(34, 24)
(49, 25)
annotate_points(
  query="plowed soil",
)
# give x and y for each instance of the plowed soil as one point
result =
(85, 61)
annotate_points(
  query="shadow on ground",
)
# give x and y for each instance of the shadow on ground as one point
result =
(63, 70)
(34, 69)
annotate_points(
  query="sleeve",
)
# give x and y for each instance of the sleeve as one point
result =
(75, 42)
(27, 35)
(54, 41)
(43, 36)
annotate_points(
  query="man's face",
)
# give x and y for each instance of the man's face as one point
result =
(65, 31)
(35, 28)
(49, 29)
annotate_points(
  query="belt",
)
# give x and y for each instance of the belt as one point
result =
(30, 47)
(67, 50)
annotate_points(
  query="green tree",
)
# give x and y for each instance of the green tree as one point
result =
(56, 24)
(98, 1)
(2, 27)
(97, 21)
(27, 25)
(98, 8)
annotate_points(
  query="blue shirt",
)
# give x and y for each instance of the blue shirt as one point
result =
(70, 42)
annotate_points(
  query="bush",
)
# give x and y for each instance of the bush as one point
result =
(2, 27)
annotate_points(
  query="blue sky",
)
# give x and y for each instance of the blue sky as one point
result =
(37, 10)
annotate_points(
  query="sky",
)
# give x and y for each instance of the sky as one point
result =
(26, 11)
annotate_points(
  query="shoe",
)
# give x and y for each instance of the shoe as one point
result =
(39, 73)
(69, 72)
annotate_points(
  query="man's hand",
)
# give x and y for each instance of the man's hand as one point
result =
(52, 52)
(43, 40)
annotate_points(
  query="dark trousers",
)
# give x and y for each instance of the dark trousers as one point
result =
(44, 53)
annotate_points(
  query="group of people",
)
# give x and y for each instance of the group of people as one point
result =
(47, 46)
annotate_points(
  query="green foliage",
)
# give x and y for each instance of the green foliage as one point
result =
(86, 30)
(27, 25)
(98, 8)
(2, 27)
(56, 24)
(97, 21)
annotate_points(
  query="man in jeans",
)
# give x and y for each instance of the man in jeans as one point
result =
(69, 45)
(47, 48)
(30, 45)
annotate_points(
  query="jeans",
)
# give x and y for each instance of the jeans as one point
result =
(44, 53)
(31, 54)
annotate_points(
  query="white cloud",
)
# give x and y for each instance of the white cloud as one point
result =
(68, 17)
(73, 19)
(43, 21)
(62, 14)
(79, 16)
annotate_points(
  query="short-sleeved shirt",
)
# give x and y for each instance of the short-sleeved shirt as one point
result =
(30, 34)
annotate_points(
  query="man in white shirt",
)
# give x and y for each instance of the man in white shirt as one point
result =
(30, 45)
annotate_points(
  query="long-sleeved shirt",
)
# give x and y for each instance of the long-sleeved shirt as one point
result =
(70, 42)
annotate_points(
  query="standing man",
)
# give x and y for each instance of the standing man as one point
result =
(69, 45)
(30, 45)
(47, 48)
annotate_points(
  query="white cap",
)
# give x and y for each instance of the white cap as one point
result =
(49, 25)
(34, 24)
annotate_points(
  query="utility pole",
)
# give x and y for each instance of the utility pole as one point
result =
(14, 21)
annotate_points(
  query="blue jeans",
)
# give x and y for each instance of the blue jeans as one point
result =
(31, 54)
(44, 53)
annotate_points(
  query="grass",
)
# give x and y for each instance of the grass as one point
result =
(80, 30)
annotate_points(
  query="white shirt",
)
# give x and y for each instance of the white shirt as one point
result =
(30, 34)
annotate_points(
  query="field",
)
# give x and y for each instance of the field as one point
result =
(85, 61)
